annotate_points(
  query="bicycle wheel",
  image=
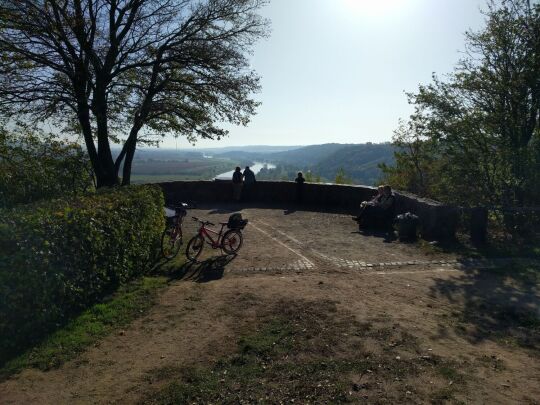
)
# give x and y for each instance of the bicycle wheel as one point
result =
(232, 241)
(171, 240)
(194, 247)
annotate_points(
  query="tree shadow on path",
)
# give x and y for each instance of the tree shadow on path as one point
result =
(501, 304)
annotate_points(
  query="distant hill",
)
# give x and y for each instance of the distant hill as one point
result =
(360, 162)
(308, 155)
(305, 156)
(250, 149)
(244, 156)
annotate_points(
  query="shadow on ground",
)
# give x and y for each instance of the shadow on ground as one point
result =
(385, 235)
(500, 304)
(287, 208)
(204, 271)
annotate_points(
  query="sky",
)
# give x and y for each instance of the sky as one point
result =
(338, 70)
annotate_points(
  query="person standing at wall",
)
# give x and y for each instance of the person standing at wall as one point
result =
(237, 184)
(299, 187)
(249, 183)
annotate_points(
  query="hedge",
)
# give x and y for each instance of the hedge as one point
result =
(60, 256)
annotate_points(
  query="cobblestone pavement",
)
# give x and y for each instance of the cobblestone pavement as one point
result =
(277, 241)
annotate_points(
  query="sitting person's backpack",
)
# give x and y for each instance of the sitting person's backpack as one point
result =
(236, 221)
(407, 226)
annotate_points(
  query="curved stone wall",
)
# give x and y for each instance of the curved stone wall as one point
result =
(438, 221)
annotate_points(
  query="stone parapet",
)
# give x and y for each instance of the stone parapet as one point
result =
(438, 221)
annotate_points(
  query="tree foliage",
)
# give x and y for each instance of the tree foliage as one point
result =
(128, 70)
(474, 137)
(342, 178)
(37, 166)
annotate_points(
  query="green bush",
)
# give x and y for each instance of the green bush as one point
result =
(58, 257)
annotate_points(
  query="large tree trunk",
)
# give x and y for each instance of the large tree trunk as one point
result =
(109, 177)
(97, 166)
(129, 148)
(126, 171)
(101, 159)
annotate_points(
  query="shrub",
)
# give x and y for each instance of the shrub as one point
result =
(58, 257)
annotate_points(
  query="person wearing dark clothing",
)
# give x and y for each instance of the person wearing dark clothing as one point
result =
(379, 210)
(299, 187)
(249, 183)
(237, 184)
(249, 176)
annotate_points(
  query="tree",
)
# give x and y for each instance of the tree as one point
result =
(308, 175)
(151, 67)
(415, 160)
(341, 177)
(37, 166)
(477, 133)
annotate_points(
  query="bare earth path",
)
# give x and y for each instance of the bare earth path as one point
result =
(463, 316)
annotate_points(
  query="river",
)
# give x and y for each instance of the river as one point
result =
(256, 167)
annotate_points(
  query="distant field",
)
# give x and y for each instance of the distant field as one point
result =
(155, 171)
(160, 178)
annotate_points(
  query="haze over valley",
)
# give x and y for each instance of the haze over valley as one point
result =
(355, 163)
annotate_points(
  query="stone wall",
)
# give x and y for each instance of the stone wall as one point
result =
(438, 221)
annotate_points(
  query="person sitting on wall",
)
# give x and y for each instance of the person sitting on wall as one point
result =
(374, 201)
(299, 187)
(237, 184)
(379, 210)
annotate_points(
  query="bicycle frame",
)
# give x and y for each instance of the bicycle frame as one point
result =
(173, 232)
(205, 233)
(178, 221)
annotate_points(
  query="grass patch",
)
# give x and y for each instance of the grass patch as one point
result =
(129, 303)
(259, 371)
(305, 353)
(443, 396)
(171, 268)
(450, 373)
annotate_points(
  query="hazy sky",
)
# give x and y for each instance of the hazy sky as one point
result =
(337, 70)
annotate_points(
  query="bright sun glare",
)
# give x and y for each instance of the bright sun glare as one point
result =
(373, 7)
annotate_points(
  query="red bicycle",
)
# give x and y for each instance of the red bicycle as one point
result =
(229, 242)
(172, 237)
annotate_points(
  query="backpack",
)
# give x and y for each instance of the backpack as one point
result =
(236, 221)
(407, 225)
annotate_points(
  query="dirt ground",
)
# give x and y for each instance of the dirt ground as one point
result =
(404, 325)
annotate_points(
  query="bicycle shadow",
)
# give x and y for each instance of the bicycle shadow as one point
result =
(204, 271)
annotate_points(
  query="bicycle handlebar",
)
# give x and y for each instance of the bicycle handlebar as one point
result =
(203, 222)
